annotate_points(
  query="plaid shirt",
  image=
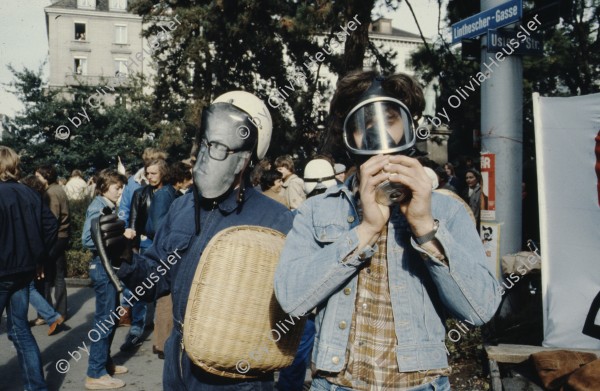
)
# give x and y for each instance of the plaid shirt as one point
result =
(370, 356)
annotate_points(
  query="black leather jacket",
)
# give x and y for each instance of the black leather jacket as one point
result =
(140, 204)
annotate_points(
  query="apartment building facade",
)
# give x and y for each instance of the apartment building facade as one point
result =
(91, 41)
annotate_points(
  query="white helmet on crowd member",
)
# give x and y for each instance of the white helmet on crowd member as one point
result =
(318, 175)
(258, 113)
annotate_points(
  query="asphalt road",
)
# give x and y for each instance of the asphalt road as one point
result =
(145, 368)
(64, 355)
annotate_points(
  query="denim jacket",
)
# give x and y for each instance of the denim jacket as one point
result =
(319, 268)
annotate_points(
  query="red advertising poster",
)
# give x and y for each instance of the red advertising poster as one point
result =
(488, 187)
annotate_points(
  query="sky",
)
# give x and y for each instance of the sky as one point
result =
(24, 43)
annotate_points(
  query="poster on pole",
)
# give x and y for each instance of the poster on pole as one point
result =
(568, 175)
(490, 237)
(488, 187)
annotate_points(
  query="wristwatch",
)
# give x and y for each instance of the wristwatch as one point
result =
(421, 240)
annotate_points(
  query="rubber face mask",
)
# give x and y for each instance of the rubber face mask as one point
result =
(228, 139)
(378, 124)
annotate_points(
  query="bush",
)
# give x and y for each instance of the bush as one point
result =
(78, 262)
(78, 257)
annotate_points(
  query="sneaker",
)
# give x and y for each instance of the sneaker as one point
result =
(131, 341)
(116, 369)
(52, 328)
(105, 382)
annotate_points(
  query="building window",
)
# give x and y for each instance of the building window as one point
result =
(80, 31)
(117, 5)
(120, 67)
(86, 4)
(120, 34)
(80, 65)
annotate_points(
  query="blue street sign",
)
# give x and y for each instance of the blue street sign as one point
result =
(491, 19)
(516, 40)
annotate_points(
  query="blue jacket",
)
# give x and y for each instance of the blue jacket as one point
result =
(176, 235)
(126, 198)
(27, 228)
(162, 200)
(316, 270)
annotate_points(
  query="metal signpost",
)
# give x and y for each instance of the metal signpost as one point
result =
(502, 126)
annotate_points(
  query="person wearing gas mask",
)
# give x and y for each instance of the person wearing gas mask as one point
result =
(382, 258)
(235, 129)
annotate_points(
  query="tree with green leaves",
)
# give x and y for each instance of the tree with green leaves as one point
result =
(77, 130)
(263, 46)
(570, 65)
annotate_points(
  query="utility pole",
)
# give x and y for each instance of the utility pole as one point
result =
(502, 135)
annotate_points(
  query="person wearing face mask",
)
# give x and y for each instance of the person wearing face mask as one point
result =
(235, 130)
(382, 258)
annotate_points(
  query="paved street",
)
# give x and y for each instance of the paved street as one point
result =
(145, 369)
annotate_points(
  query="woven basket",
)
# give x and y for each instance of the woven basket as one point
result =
(234, 326)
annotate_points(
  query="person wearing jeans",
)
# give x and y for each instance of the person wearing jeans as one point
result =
(100, 365)
(55, 269)
(14, 296)
(45, 310)
(28, 231)
(141, 230)
(382, 258)
(439, 384)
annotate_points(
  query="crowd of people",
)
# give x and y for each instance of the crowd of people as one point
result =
(356, 253)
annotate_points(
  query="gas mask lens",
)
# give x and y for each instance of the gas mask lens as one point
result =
(378, 125)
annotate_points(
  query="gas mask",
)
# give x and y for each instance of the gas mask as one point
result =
(380, 124)
(228, 140)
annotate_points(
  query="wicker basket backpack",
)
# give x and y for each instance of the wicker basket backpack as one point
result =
(234, 326)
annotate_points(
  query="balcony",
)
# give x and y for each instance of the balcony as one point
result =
(80, 46)
(72, 79)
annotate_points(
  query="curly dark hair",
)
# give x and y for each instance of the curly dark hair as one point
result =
(48, 172)
(268, 178)
(349, 89)
(180, 172)
(34, 182)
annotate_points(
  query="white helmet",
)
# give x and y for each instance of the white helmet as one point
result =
(318, 174)
(258, 113)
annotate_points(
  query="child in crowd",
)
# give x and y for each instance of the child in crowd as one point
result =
(100, 365)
